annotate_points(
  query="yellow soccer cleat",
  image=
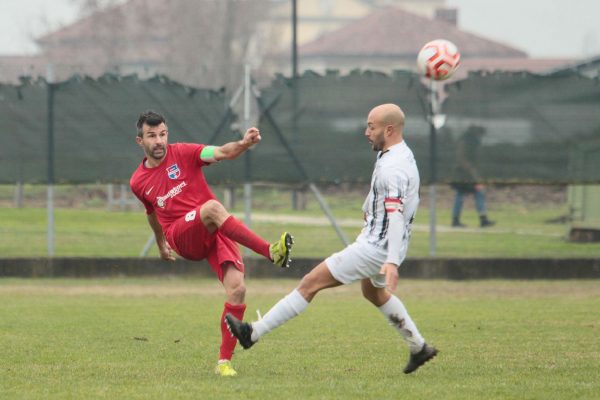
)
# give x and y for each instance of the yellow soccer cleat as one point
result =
(281, 249)
(224, 368)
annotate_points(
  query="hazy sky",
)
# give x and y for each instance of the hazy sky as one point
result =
(542, 28)
(21, 20)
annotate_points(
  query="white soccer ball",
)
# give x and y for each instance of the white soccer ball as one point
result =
(438, 59)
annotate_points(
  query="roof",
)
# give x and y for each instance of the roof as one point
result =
(391, 31)
(589, 67)
(533, 65)
(13, 67)
(123, 18)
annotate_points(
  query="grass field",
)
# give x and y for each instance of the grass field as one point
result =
(158, 339)
(99, 233)
(531, 223)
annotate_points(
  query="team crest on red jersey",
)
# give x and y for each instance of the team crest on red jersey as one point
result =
(173, 171)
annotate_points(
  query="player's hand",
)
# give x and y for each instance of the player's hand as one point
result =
(251, 137)
(166, 252)
(391, 276)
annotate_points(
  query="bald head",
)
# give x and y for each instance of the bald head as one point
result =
(389, 114)
(385, 126)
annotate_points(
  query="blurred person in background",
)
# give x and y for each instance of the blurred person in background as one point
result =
(467, 175)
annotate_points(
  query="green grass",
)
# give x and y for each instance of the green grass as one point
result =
(498, 340)
(83, 233)
(86, 229)
(100, 233)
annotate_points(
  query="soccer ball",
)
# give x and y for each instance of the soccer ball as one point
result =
(438, 59)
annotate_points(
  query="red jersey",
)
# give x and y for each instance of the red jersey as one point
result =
(175, 187)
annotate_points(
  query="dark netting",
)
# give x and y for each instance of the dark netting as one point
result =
(23, 119)
(327, 131)
(94, 125)
(519, 127)
(502, 127)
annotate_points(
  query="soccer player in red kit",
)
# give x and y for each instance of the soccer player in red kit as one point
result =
(186, 216)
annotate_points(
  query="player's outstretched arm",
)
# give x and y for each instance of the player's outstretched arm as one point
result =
(396, 228)
(161, 241)
(232, 150)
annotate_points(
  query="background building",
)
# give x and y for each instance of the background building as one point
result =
(208, 46)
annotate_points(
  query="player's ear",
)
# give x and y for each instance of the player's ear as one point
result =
(138, 140)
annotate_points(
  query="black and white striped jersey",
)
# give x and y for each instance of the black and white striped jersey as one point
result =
(395, 180)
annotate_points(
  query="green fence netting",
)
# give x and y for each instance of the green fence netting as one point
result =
(323, 119)
(94, 125)
(501, 127)
(531, 128)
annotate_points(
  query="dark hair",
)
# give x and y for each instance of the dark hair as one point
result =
(150, 118)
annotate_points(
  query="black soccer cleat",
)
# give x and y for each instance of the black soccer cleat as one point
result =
(420, 358)
(241, 330)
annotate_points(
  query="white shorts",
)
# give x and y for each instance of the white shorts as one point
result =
(358, 261)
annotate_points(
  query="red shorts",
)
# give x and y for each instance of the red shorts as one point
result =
(191, 240)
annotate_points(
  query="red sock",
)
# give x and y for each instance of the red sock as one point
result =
(235, 230)
(228, 341)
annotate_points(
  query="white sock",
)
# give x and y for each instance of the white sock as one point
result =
(286, 309)
(398, 317)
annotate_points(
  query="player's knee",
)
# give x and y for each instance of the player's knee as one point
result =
(240, 290)
(212, 210)
(309, 287)
(370, 292)
(369, 296)
(211, 207)
(366, 293)
(237, 292)
(377, 296)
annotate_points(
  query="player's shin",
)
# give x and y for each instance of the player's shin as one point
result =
(398, 317)
(235, 230)
(228, 342)
(286, 309)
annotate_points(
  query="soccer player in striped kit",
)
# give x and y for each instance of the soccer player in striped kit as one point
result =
(187, 218)
(379, 250)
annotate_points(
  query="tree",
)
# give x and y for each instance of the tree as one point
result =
(201, 43)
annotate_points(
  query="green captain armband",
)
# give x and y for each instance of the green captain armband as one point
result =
(208, 154)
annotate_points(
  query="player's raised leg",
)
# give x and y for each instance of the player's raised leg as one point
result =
(287, 308)
(233, 281)
(394, 311)
(215, 216)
